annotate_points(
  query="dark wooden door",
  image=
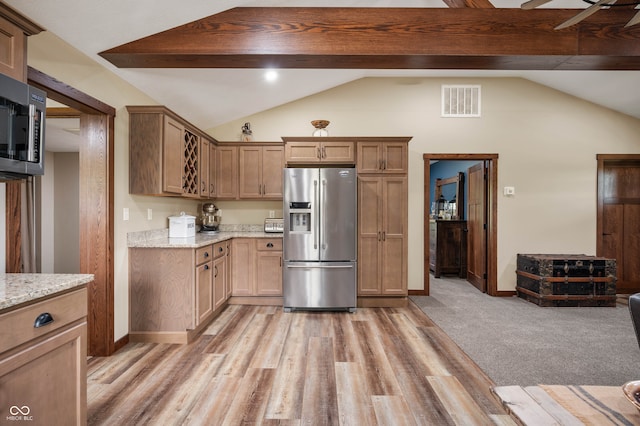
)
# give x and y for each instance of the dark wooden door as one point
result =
(477, 227)
(619, 196)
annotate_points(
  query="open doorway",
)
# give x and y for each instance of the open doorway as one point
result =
(96, 162)
(479, 213)
(58, 193)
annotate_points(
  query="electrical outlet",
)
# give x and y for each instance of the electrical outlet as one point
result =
(125, 213)
(149, 214)
(509, 191)
(272, 213)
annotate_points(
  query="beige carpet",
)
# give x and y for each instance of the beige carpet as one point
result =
(569, 405)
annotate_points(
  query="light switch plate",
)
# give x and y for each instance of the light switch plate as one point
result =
(509, 191)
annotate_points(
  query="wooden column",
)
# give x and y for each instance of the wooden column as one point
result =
(13, 234)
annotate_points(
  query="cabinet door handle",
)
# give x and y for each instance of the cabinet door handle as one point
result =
(384, 236)
(42, 320)
(324, 152)
(215, 274)
(379, 236)
(380, 167)
(319, 156)
(384, 165)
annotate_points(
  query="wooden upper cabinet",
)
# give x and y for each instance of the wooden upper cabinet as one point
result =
(13, 51)
(213, 150)
(171, 157)
(14, 30)
(314, 150)
(250, 172)
(227, 172)
(203, 168)
(261, 172)
(382, 157)
(167, 155)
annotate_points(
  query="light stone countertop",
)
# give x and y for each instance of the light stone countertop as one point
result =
(16, 289)
(159, 238)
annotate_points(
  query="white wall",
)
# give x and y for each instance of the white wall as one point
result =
(47, 206)
(66, 213)
(547, 142)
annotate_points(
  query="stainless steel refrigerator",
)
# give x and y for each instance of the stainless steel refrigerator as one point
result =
(319, 241)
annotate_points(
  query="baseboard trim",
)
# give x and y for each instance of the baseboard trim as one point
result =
(256, 300)
(418, 292)
(505, 293)
(120, 343)
(382, 302)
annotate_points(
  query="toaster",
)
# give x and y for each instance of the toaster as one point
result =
(274, 225)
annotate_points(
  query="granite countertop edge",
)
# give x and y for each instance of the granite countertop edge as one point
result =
(160, 238)
(16, 289)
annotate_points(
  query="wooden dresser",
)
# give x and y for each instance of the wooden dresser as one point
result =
(448, 247)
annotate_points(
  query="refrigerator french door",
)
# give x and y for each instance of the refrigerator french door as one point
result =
(319, 241)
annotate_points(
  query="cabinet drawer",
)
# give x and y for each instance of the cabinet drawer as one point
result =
(204, 254)
(269, 244)
(18, 326)
(219, 249)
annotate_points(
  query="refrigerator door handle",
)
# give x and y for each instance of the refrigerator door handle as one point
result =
(323, 237)
(315, 225)
(320, 266)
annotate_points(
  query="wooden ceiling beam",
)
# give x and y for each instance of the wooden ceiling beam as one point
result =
(390, 38)
(482, 4)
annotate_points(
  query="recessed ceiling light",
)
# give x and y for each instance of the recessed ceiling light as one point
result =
(271, 75)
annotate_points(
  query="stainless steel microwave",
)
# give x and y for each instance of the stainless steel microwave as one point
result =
(22, 124)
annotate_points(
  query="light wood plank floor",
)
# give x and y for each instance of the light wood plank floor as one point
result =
(259, 365)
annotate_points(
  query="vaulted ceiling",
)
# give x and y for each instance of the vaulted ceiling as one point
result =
(204, 59)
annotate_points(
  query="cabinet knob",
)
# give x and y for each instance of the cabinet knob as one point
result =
(206, 267)
(270, 245)
(220, 249)
(206, 254)
(42, 320)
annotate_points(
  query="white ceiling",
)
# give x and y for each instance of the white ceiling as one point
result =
(209, 97)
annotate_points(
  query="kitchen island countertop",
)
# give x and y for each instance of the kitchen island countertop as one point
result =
(16, 289)
(160, 238)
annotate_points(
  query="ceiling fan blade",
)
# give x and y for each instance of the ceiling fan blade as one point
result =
(634, 20)
(585, 14)
(532, 4)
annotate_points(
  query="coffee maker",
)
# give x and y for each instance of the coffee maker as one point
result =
(210, 219)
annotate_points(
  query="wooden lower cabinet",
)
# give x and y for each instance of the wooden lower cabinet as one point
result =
(45, 369)
(173, 291)
(382, 236)
(220, 274)
(257, 267)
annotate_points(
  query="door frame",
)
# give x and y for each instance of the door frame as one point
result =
(492, 216)
(96, 205)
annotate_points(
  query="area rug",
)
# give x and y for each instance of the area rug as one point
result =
(595, 405)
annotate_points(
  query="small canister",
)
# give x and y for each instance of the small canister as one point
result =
(182, 226)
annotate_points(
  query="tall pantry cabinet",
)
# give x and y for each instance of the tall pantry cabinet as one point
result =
(382, 216)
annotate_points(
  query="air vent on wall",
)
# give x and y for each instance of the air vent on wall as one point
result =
(461, 101)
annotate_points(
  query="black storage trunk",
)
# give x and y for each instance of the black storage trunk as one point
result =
(566, 279)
